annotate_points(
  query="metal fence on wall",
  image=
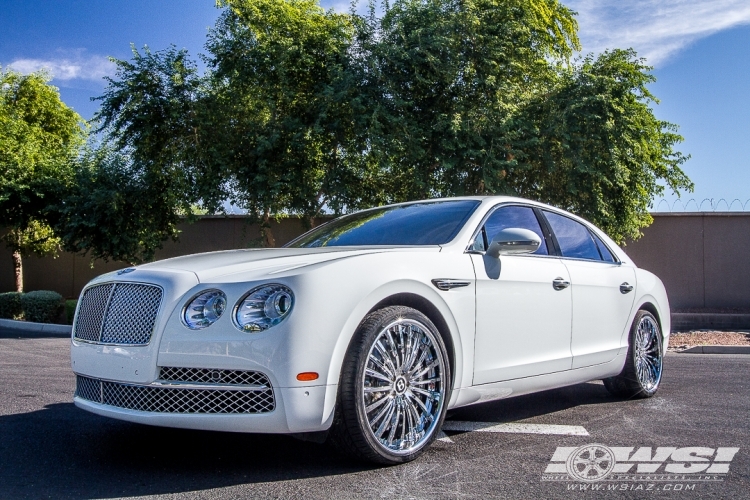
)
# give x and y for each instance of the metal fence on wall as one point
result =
(705, 205)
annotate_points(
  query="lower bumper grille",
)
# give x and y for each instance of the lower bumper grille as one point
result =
(175, 400)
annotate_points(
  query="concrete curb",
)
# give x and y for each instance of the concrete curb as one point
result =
(718, 349)
(21, 327)
(710, 321)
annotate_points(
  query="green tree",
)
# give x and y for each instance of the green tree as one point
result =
(481, 97)
(594, 146)
(447, 78)
(116, 208)
(39, 139)
(303, 110)
(285, 91)
(150, 170)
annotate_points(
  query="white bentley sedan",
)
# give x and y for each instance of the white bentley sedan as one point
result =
(365, 330)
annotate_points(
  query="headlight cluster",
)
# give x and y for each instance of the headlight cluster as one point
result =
(258, 310)
(205, 309)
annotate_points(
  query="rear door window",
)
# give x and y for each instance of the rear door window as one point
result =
(603, 250)
(574, 238)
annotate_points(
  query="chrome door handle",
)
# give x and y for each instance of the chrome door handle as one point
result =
(560, 284)
(626, 287)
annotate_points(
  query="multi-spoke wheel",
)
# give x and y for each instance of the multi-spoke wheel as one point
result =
(394, 387)
(641, 374)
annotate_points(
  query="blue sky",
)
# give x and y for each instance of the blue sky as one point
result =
(699, 49)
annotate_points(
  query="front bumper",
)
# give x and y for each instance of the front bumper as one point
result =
(208, 406)
(279, 354)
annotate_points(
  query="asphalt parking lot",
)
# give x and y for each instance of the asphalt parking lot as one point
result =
(50, 449)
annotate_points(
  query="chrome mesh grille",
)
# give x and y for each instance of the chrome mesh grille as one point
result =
(88, 388)
(203, 375)
(131, 314)
(118, 313)
(175, 400)
(91, 312)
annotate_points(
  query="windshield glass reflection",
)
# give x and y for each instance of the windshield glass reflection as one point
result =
(422, 223)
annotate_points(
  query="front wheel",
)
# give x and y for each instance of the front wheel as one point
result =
(641, 375)
(394, 387)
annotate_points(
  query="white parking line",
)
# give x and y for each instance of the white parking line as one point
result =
(442, 436)
(563, 430)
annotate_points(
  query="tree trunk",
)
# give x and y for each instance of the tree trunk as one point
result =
(266, 230)
(18, 268)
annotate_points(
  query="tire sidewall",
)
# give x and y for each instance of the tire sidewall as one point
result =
(631, 352)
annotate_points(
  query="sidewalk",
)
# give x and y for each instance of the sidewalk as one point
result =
(25, 329)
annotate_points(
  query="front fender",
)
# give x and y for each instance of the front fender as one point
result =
(379, 295)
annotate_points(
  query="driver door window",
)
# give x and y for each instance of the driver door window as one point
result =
(507, 217)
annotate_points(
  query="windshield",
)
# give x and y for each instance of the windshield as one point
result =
(424, 223)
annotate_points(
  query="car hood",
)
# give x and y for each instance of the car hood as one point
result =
(212, 266)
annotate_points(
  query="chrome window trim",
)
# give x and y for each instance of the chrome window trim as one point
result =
(114, 282)
(578, 259)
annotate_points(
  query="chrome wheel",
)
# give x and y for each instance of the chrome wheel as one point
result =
(404, 386)
(648, 354)
(641, 374)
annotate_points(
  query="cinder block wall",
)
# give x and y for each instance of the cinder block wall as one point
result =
(68, 273)
(701, 257)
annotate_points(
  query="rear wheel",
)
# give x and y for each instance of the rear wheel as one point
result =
(394, 388)
(641, 375)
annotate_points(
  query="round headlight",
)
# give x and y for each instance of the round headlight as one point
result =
(204, 309)
(263, 307)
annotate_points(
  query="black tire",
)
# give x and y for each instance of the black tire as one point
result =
(641, 375)
(354, 430)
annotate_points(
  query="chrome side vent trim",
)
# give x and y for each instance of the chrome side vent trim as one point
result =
(449, 284)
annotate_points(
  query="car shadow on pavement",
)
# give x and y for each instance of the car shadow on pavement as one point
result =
(535, 405)
(63, 452)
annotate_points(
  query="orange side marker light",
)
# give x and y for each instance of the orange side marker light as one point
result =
(307, 376)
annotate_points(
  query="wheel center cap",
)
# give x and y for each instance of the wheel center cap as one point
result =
(400, 385)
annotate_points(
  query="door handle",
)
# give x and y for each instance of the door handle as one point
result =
(626, 287)
(560, 284)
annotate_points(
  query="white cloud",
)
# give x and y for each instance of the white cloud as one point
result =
(77, 67)
(656, 29)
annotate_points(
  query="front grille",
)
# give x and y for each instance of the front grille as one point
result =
(118, 313)
(175, 400)
(203, 375)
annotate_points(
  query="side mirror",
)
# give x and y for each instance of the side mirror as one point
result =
(514, 241)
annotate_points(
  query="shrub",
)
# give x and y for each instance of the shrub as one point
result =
(10, 305)
(43, 306)
(70, 310)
